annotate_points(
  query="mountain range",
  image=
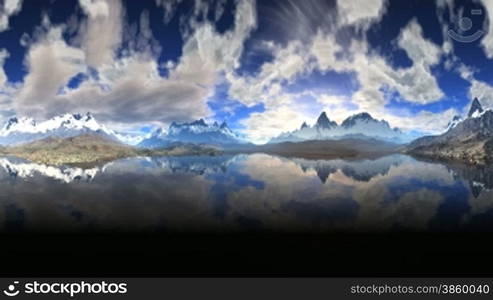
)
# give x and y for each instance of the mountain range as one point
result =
(17, 131)
(23, 130)
(469, 139)
(359, 126)
(198, 132)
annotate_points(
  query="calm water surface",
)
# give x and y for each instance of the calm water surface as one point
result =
(246, 192)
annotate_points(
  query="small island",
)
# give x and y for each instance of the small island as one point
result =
(94, 148)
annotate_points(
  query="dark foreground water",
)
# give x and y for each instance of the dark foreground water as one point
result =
(245, 193)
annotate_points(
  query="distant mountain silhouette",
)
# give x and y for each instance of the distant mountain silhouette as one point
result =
(198, 132)
(358, 126)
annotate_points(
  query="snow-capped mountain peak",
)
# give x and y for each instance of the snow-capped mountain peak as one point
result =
(25, 129)
(476, 109)
(18, 124)
(361, 125)
(158, 132)
(66, 121)
(361, 118)
(194, 132)
(324, 122)
(199, 127)
(455, 121)
(200, 122)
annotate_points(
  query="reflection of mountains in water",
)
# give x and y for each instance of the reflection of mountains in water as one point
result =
(480, 177)
(20, 168)
(360, 170)
(194, 164)
(16, 167)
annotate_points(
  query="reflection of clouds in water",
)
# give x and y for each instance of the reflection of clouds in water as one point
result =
(194, 164)
(479, 205)
(114, 201)
(375, 195)
(408, 196)
(227, 193)
(289, 196)
(425, 172)
(414, 210)
(411, 211)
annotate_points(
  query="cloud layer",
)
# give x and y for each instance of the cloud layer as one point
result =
(102, 62)
(126, 89)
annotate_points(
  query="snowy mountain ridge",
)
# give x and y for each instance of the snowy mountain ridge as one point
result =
(68, 121)
(361, 125)
(475, 111)
(25, 129)
(194, 132)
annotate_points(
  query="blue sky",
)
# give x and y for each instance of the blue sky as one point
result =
(262, 66)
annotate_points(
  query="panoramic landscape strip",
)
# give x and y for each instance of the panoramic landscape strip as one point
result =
(80, 139)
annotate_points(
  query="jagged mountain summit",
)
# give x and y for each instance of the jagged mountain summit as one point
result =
(362, 126)
(323, 122)
(24, 130)
(469, 140)
(476, 109)
(197, 132)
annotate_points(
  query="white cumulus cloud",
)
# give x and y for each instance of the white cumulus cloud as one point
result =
(127, 90)
(8, 8)
(360, 12)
